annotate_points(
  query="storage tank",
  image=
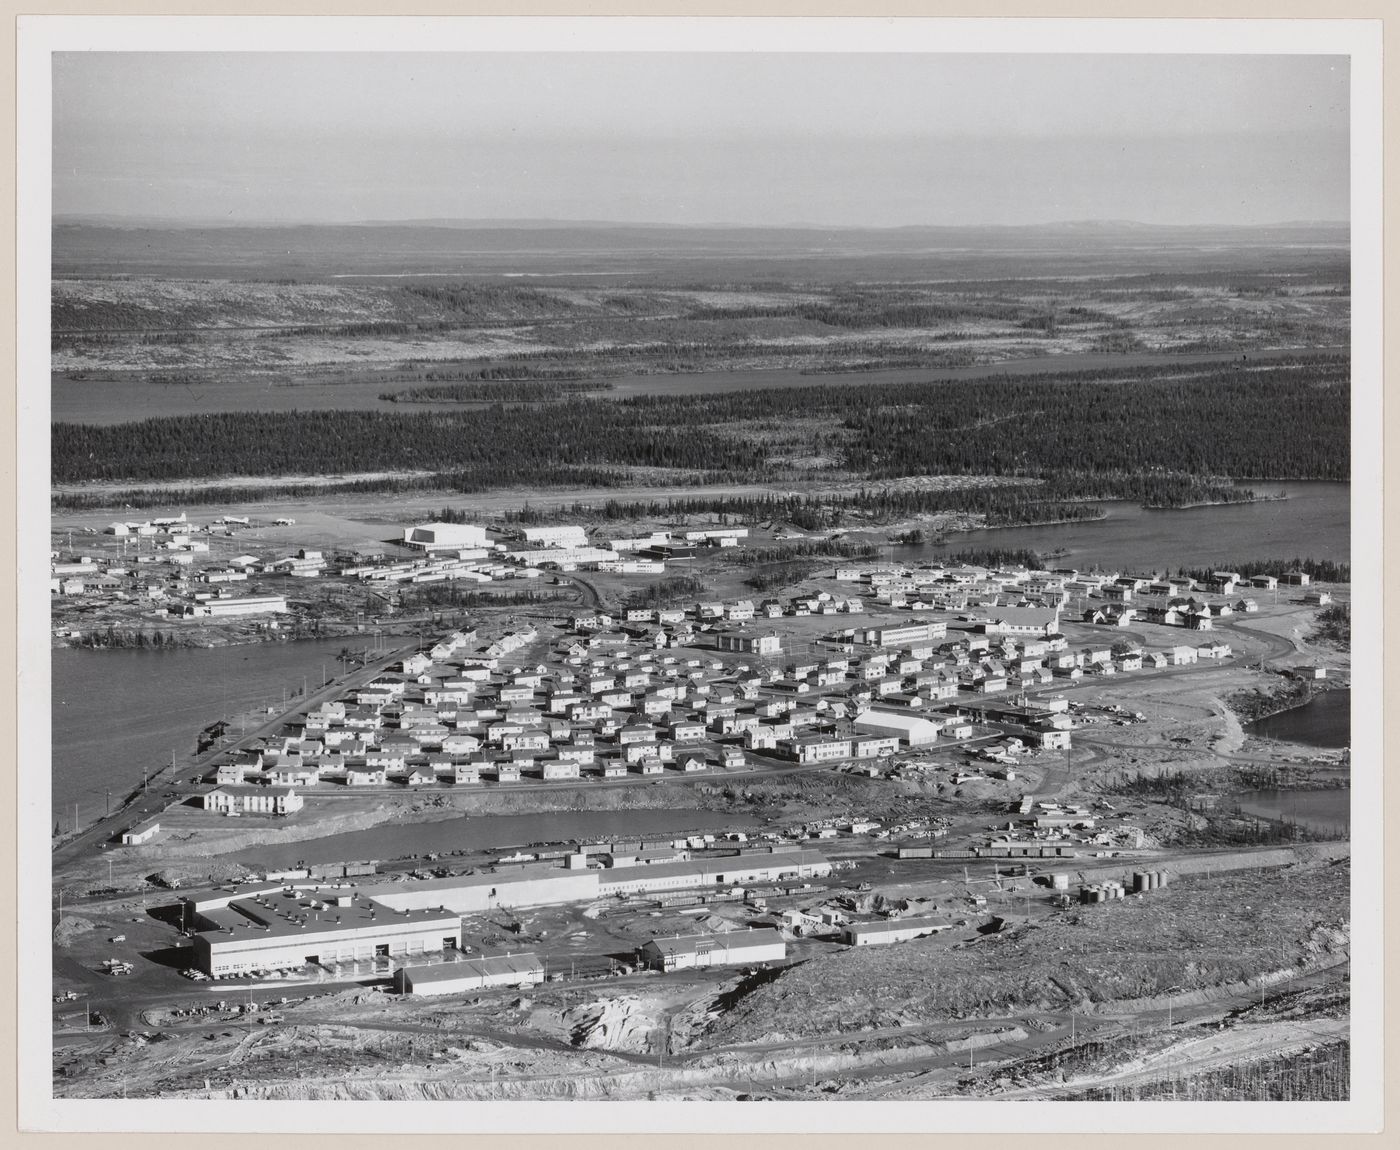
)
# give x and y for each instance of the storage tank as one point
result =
(1140, 881)
(1161, 878)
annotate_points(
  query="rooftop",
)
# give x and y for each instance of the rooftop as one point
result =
(485, 966)
(896, 925)
(281, 915)
(730, 940)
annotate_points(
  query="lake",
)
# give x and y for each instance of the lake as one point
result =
(492, 832)
(1323, 721)
(1319, 810)
(1314, 521)
(116, 712)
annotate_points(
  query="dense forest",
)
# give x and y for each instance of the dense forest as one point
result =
(1164, 436)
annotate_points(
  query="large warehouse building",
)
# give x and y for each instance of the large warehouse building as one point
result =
(444, 536)
(470, 974)
(467, 894)
(685, 952)
(545, 885)
(280, 930)
(911, 729)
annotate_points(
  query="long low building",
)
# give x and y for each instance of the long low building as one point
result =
(272, 926)
(732, 870)
(894, 930)
(470, 974)
(548, 885)
(469, 894)
(685, 952)
(280, 930)
(248, 605)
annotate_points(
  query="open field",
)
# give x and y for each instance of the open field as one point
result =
(212, 332)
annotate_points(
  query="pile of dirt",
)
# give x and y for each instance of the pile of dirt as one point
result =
(610, 1024)
(69, 928)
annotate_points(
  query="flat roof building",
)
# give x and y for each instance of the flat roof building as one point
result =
(685, 952)
(892, 931)
(563, 536)
(281, 930)
(470, 974)
(247, 605)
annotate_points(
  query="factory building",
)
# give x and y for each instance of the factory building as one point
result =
(467, 894)
(289, 929)
(731, 870)
(548, 885)
(685, 952)
(892, 931)
(571, 536)
(906, 727)
(470, 975)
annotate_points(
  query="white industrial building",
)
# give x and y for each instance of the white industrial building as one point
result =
(908, 727)
(444, 536)
(572, 536)
(290, 929)
(892, 931)
(547, 885)
(470, 975)
(685, 952)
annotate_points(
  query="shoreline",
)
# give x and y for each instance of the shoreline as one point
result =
(1315, 691)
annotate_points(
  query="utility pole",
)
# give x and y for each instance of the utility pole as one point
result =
(75, 818)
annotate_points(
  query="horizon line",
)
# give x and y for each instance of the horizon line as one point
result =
(102, 219)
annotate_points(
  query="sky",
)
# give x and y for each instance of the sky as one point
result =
(827, 139)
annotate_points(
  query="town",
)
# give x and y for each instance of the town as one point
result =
(967, 708)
